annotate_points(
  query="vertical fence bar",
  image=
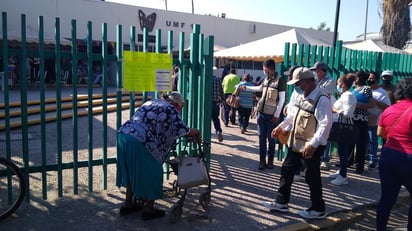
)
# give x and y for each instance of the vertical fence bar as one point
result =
(207, 83)
(158, 49)
(182, 69)
(5, 83)
(119, 73)
(145, 49)
(75, 120)
(337, 60)
(132, 48)
(193, 76)
(306, 54)
(42, 107)
(300, 55)
(58, 108)
(104, 85)
(90, 101)
(23, 99)
(199, 97)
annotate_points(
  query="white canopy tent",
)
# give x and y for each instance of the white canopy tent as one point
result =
(270, 47)
(375, 45)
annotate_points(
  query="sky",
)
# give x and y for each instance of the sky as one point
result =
(299, 13)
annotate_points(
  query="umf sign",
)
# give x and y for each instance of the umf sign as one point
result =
(149, 22)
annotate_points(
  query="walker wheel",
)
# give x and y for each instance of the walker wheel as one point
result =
(176, 189)
(175, 213)
(204, 199)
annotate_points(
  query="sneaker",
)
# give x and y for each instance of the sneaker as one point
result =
(219, 136)
(242, 130)
(340, 180)
(372, 165)
(334, 175)
(324, 165)
(312, 214)
(297, 178)
(275, 206)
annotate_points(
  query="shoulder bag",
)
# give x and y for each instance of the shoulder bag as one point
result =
(344, 131)
(233, 100)
(191, 172)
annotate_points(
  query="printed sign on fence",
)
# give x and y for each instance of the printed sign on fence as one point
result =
(144, 71)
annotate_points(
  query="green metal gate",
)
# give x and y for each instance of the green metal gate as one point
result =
(60, 151)
(341, 60)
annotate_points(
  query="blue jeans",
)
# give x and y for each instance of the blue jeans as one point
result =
(343, 151)
(265, 127)
(243, 116)
(373, 144)
(394, 170)
(215, 116)
(326, 154)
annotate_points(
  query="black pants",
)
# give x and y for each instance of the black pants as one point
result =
(358, 157)
(289, 167)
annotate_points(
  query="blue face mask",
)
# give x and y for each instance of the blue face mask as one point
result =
(339, 89)
(265, 74)
(299, 90)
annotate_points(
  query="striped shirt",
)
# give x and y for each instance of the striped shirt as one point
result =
(246, 97)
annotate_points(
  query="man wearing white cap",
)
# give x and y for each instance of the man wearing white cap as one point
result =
(310, 125)
(387, 77)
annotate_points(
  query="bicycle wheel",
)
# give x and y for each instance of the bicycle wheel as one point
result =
(12, 188)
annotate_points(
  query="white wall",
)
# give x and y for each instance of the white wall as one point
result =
(227, 32)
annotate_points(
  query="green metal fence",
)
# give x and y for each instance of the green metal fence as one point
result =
(195, 83)
(341, 60)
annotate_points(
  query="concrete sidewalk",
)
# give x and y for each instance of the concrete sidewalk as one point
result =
(237, 191)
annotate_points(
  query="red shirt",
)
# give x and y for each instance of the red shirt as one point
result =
(399, 137)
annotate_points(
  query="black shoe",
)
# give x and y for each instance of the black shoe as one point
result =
(262, 165)
(270, 166)
(359, 171)
(372, 165)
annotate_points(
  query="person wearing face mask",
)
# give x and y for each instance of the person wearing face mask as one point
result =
(310, 124)
(382, 101)
(344, 106)
(364, 101)
(387, 77)
(269, 107)
(328, 86)
(143, 143)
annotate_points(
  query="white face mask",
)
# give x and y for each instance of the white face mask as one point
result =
(315, 75)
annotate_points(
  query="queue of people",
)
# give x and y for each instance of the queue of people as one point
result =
(315, 103)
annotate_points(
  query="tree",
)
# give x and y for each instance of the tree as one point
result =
(322, 26)
(396, 22)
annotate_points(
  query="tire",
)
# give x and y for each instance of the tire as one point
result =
(204, 199)
(11, 195)
(175, 213)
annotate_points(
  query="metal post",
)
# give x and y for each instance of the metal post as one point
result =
(335, 31)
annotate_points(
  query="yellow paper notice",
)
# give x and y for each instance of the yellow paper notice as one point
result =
(144, 71)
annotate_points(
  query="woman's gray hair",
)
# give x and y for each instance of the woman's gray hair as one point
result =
(175, 97)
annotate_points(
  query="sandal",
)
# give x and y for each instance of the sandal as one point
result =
(157, 213)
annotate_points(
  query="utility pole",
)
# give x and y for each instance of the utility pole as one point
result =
(366, 20)
(193, 7)
(335, 31)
